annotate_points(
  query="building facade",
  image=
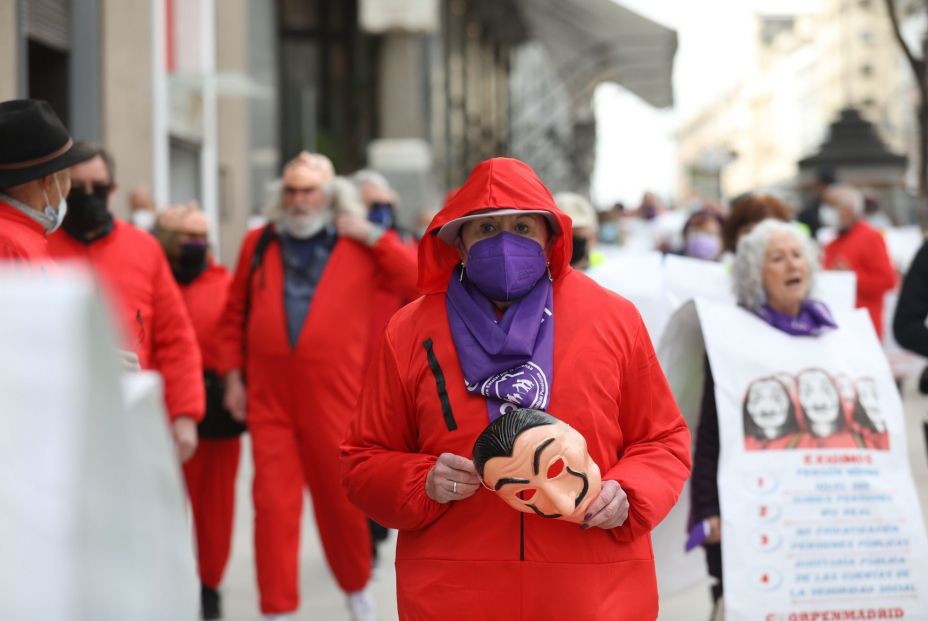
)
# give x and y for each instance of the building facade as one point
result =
(809, 68)
(204, 99)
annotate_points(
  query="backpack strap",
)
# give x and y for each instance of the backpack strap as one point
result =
(268, 235)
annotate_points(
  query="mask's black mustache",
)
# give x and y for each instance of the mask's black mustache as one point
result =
(542, 514)
(586, 486)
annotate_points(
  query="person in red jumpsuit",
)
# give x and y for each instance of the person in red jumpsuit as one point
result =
(144, 298)
(860, 248)
(505, 323)
(210, 473)
(35, 154)
(295, 339)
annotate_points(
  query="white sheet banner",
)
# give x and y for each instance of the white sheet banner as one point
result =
(820, 518)
(660, 284)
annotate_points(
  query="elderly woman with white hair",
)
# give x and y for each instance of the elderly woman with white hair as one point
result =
(773, 273)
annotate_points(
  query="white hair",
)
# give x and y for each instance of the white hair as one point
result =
(345, 197)
(846, 196)
(273, 208)
(748, 272)
(368, 175)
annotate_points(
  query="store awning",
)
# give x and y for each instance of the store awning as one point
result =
(594, 41)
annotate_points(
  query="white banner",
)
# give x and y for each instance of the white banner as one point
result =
(660, 284)
(820, 518)
(93, 522)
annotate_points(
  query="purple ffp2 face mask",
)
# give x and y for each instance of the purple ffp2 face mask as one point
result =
(506, 266)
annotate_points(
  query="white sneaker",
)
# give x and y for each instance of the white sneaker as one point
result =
(361, 605)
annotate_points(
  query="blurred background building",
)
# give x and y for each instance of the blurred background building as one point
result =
(202, 99)
(813, 68)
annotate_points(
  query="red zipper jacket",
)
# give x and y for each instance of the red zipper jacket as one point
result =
(205, 299)
(144, 297)
(863, 249)
(478, 558)
(21, 237)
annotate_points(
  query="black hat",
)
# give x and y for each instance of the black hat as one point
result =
(34, 142)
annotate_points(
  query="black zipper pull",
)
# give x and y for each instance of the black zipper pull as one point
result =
(141, 322)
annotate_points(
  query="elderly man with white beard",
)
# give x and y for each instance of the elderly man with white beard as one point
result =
(295, 344)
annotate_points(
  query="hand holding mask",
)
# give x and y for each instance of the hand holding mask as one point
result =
(538, 464)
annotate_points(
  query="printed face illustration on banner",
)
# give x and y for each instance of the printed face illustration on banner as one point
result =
(768, 413)
(845, 388)
(820, 402)
(869, 414)
(538, 464)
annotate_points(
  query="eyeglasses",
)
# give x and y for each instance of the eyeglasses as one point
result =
(290, 190)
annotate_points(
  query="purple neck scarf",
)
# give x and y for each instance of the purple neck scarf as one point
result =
(507, 360)
(813, 319)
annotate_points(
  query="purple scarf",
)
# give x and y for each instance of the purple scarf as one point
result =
(508, 360)
(813, 319)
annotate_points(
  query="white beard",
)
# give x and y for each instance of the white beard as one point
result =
(304, 226)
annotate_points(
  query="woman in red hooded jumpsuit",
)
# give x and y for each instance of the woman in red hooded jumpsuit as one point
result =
(477, 558)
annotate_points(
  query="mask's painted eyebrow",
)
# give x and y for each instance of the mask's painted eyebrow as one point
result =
(538, 451)
(508, 481)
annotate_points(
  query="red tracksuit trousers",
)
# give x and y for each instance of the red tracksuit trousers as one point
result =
(210, 476)
(294, 449)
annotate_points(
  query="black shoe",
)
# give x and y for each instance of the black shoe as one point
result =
(209, 602)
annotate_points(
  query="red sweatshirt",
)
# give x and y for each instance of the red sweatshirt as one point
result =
(144, 296)
(205, 299)
(21, 237)
(863, 250)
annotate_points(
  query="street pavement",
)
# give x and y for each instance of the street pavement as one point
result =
(322, 600)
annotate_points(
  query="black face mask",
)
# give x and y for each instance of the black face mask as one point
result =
(580, 250)
(190, 263)
(88, 218)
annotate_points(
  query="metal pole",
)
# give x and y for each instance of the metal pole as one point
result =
(161, 182)
(209, 160)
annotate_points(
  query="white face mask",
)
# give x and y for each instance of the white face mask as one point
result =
(828, 215)
(52, 218)
(143, 219)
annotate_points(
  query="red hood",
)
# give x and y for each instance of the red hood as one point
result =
(498, 183)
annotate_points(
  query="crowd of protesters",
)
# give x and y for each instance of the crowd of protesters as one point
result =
(364, 359)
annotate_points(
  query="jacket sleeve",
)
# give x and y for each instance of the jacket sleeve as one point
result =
(875, 275)
(381, 467)
(655, 462)
(230, 340)
(398, 262)
(175, 352)
(10, 250)
(704, 497)
(909, 322)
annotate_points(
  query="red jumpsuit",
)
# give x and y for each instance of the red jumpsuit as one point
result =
(300, 399)
(134, 271)
(21, 237)
(478, 558)
(863, 249)
(210, 473)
